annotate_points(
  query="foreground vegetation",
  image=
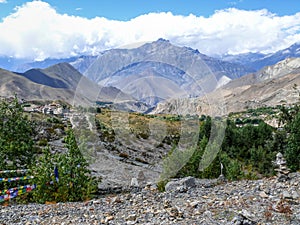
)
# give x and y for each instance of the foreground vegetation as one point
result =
(247, 150)
(59, 177)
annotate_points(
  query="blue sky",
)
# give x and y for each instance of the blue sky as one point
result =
(64, 28)
(128, 9)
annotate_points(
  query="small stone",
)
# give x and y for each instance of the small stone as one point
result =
(194, 204)
(131, 222)
(116, 200)
(131, 217)
(248, 215)
(286, 195)
(109, 218)
(242, 219)
(167, 204)
(141, 177)
(263, 194)
(207, 214)
(173, 212)
(134, 182)
(295, 195)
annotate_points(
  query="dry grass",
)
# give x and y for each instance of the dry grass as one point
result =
(139, 124)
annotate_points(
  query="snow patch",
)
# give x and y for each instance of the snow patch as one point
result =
(287, 51)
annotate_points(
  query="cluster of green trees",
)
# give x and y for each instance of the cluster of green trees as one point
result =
(59, 177)
(246, 151)
(291, 144)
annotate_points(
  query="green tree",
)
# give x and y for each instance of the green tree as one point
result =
(16, 136)
(292, 152)
(74, 181)
(205, 128)
(82, 185)
(175, 161)
(191, 168)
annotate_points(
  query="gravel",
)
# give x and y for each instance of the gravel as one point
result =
(264, 201)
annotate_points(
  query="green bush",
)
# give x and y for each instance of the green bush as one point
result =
(161, 185)
(43, 142)
(54, 120)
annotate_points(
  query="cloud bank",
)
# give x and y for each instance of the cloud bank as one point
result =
(37, 31)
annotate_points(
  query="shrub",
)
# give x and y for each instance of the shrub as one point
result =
(161, 185)
(43, 142)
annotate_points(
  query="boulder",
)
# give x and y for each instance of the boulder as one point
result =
(180, 185)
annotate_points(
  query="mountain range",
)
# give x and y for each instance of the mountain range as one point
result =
(140, 78)
(253, 60)
(258, 60)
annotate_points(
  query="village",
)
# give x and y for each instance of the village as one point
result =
(52, 108)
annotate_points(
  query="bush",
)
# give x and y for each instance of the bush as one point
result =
(161, 185)
(43, 142)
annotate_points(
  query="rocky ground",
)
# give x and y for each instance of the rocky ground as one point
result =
(187, 201)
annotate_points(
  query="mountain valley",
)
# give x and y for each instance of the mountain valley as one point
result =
(140, 121)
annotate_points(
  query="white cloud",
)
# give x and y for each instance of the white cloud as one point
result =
(36, 30)
(3, 1)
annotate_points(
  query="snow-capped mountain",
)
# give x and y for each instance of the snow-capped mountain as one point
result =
(258, 60)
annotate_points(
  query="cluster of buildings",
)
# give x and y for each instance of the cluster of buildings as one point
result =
(50, 109)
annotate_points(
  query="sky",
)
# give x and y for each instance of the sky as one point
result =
(62, 28)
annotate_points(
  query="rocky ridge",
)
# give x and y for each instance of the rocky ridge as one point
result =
(282, 68)
(159, 64)
(193, 201)
(272, 86)
(258, 60)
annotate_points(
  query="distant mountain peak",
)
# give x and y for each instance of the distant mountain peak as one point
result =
(158, 43)
(62, 66)
(258, 61)
(161, 70)
(163, 40)
(196, 51)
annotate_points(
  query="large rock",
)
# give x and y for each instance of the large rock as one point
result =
(181, 184)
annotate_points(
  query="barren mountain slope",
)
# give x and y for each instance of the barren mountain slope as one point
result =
(12, 83)
(274, 85)
(139, 71)
(60, 81)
